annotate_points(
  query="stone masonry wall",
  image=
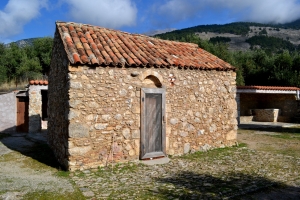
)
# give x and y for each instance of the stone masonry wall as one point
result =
(8, 112)
(104, 115)
(58, 102)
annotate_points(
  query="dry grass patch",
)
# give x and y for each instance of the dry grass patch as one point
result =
(279, 141)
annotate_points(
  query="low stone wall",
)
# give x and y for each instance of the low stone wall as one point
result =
(265, 115)
(8, 112)
(246, 119)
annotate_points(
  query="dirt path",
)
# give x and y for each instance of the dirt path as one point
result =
(275, 140)
(284, 141)
(25, 169)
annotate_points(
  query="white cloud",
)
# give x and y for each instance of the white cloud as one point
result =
(107, 13)
(265, 11)
(18, 13)
(176, 10)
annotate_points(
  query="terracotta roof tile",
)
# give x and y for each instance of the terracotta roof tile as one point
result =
(93, 45)
(268, 88)
(38, 82)
(76, 58)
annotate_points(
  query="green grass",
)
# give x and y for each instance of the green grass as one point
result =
(10, 157)
(80, 174)
(283, 130)
(44, 195)
(212, 153)
(116, 169)
(125, 167)
(242, 145)
(287, 136)
(64, 174)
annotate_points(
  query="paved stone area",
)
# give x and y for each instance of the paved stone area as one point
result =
(258, 125)
(218, 174)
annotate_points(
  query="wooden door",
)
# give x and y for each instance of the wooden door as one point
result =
(153, 137)
(22, 114)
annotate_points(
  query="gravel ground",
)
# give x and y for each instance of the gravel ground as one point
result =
(265, 166)
(253, 172)
(232, 173)
(20, 173)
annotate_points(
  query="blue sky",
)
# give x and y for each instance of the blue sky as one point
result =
(21, 19)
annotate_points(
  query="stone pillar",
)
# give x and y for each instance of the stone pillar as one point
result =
(237, 98)
(35, 110)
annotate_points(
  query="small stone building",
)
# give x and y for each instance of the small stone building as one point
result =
(116, 97)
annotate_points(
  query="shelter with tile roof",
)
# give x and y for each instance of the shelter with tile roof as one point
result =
(267, 103)
(37, 105)
(25, 111)
(117, 97)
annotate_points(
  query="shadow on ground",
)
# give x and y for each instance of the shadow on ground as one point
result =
(37, 150)
(270, 128)
(189, 185)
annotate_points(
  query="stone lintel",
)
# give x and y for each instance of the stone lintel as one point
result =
(38, 87)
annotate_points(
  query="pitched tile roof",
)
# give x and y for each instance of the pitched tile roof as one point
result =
(94, 45)
(268, 88)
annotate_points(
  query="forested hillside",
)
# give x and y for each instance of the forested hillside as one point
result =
(25, 60)
(269, 60)
(238, 28)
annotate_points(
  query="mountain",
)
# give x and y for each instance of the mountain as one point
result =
(156, 32)
(242, 36)
(24, 42)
